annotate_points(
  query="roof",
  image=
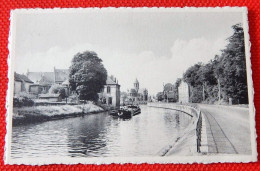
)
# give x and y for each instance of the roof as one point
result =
(20, 77)
(37, 76)
(61, 75)
(45, 80)
(133, 91)
(48, 95)
(109, 81)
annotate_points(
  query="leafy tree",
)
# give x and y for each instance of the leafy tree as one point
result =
(54, 89)
(234, 67)
(62, 93)
(223, 77)
(58, 89)
(192, 76)
(87, 75)
(175, 89)
(160, 96)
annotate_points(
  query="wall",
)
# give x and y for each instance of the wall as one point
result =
(27, 86)
(51, 99)
(198, 124)
(183, 92)
(114, 94)
(17, 87)
(184, 108)
(34, 89)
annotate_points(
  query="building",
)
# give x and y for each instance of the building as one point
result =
(21, 83)
(183, 92)
(136, 93)
(168, 93)
(44, 80)
(111, 92)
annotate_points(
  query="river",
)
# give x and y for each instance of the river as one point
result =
(100, 135)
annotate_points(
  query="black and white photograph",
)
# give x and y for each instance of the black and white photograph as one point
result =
(129, 85)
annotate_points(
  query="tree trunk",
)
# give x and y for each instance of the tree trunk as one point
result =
(219, 91)
(203, 92)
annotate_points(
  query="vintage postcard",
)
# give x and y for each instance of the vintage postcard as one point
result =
(129, 85)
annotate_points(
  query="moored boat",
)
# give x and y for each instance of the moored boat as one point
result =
(128, 111)
(113, 112)
(135, 108)
(125, 113)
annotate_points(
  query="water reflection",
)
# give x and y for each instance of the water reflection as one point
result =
(100, 135)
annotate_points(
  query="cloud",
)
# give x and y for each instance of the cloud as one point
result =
(151, 70)
(45, 61)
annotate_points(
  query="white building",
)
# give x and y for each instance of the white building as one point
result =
(183, 92)
(111, 92)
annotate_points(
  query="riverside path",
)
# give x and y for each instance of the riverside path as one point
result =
(227, 129)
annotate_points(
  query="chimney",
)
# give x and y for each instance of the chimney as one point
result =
(27, 73)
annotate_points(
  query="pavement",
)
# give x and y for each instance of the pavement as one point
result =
(227, 129)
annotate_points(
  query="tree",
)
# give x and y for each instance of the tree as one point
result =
(160, 96)
(87, 75)
(175, 89)
(223, 77)
(193, 77)
(58, 89)
(234, 67)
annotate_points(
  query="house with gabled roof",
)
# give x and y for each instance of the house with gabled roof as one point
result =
(110, 94)
(44, 80)
(21, 83)
(61, 75)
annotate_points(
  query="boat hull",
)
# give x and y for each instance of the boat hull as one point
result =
(125, 114)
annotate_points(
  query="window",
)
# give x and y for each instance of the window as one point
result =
(110, 100)
(108, 89)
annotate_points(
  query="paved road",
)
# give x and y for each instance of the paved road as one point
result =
(227, 129)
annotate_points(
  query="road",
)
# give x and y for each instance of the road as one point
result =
(227, 129)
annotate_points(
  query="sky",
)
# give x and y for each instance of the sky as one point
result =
(154, 47)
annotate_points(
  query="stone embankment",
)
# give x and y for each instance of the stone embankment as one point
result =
(193, 140)
(35, 114)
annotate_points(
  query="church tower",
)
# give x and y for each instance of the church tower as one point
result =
(136, 85)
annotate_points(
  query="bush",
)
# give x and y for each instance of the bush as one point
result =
(22, 101)
(58, 89)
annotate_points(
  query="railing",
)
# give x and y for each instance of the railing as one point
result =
(198, 132)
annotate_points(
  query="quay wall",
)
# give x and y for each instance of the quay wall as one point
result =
(194, 130)
(188, 109)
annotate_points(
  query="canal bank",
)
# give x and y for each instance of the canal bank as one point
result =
(193, 140)
(36, 114)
